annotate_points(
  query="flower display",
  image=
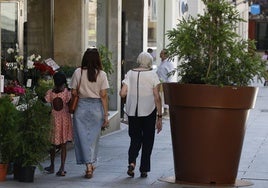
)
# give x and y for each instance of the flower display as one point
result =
(14, 61)
(14, 88)
(35, 62)
(43, 68)
(32, 59)
(10, 50)
(35, 57)
(20, 73)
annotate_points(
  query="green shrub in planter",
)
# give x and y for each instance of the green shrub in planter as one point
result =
(215, 68)
(106, 60)
(9, 134)
(34, 131)
(211, 52)
(68, 70)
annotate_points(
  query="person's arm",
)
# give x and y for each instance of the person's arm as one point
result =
(158, 104)
(74, 92)
(123, 91)
(104, 100)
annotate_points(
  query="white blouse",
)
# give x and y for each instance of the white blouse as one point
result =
(140, 96)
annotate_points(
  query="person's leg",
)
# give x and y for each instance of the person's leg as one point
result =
(94, 151)
(148, 129)
(135, 135)
(89, 170)
(95, 146)
(87, 127)
(50, 169)
(63, 149)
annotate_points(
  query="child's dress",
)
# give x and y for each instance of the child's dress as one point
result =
(62, 121)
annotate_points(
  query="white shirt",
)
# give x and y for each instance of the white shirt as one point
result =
(140, 96)
(162, 71)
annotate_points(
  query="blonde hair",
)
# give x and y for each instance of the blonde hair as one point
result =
(145, 60)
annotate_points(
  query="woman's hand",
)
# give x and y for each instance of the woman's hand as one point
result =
(105, 124)
(159, 125)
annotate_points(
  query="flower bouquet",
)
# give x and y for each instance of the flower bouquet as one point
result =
(14, 90)
(13, 64)
(37, 69)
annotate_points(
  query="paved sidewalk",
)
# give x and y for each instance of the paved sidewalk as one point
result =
(112, 162)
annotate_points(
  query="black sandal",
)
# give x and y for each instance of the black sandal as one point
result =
(61, 173)
(49, 170)
(130, 171)
(144, 174)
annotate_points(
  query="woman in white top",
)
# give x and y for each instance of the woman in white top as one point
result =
(143, 103)
(92, 110)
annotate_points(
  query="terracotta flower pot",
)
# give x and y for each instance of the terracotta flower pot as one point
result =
(207, 129)
(3, 171)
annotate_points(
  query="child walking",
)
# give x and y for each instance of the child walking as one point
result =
(62, 133)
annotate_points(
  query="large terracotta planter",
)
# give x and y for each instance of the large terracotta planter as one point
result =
(207, 129)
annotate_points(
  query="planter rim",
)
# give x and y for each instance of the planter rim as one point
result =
(203, 95)
(208, 85)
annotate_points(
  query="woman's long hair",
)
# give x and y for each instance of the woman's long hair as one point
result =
(91, 61)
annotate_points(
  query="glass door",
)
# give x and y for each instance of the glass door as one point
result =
(11, 33)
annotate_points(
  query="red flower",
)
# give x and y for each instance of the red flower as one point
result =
(43, 68)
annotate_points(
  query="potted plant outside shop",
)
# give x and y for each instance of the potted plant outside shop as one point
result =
(35, 132)
(210, 103)
(106, 60)
(68, 70)
(42, 87)
(9, 124)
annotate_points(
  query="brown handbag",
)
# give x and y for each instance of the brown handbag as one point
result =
(74, 99)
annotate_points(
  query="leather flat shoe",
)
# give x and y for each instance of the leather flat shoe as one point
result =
(144, 174)
(49, 170)
(130, 171)
(61, 173)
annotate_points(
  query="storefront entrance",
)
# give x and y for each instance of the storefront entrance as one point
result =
(26, 29)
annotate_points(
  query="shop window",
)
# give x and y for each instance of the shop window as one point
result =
(9, 27)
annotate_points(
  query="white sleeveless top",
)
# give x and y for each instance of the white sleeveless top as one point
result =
(140, 92)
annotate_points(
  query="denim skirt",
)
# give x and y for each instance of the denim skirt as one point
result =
(87, 122)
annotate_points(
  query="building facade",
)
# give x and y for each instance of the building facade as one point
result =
(258, 23)
(63, 30)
